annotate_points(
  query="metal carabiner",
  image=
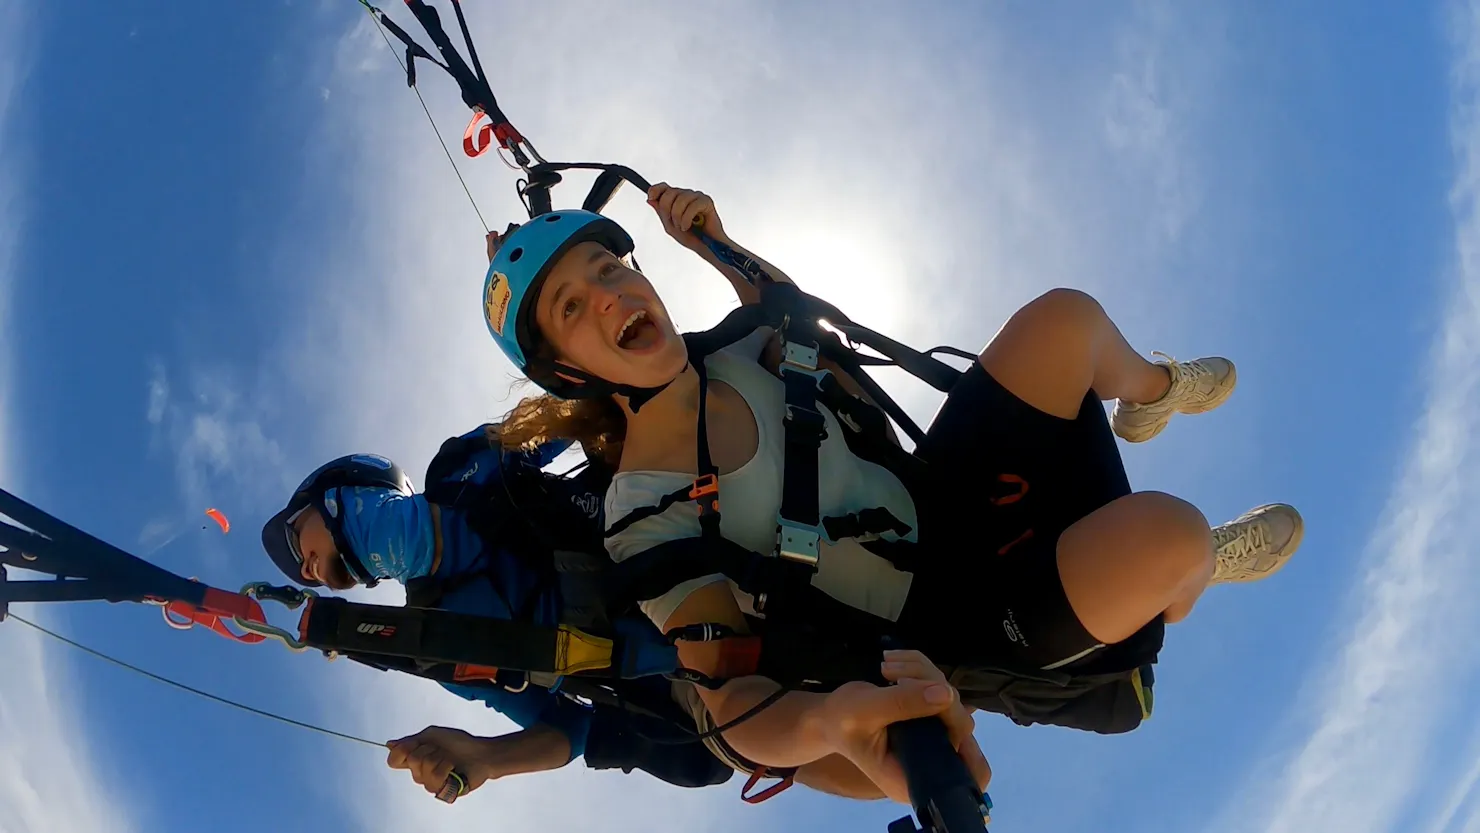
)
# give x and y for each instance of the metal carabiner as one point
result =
(521, 162)
(289, 597)
(271, 632)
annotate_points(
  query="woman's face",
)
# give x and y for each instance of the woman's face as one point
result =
(321, 561)
(605, 319)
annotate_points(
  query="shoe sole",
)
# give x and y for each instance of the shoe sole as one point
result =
(1290, 548)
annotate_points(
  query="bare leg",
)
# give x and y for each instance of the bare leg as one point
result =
(1141, 555)
(1144, 554)
(1061, 345)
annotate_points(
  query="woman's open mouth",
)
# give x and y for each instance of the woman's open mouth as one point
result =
(639, 333)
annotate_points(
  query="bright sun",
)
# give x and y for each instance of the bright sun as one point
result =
(848, 270)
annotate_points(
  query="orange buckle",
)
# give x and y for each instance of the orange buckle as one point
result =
(464, 672)
(705, 494)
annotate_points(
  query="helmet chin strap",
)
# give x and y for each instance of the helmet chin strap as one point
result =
(366, 580)
(567, 382)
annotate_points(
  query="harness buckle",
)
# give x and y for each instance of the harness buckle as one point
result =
(798, 543)
(800, 356)
(705, 494)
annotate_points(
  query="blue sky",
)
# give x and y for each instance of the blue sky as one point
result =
(230, 248)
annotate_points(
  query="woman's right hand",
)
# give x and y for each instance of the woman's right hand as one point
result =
(680, 209)
(856, 717)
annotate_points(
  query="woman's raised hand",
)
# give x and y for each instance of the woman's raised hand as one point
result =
(495, 239)
(681, 210)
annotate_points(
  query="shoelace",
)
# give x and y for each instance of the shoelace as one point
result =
(1238, 542)
(1186, 376)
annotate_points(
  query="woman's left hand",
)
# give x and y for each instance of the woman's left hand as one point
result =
(859, 714)
(683, 211)
(494, 240)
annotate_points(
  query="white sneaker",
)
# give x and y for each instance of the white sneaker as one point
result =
(1257, 544)
(1197, 386)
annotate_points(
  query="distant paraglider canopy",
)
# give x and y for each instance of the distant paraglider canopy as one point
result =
(220, 519)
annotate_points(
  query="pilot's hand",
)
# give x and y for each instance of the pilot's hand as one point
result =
(433, 753)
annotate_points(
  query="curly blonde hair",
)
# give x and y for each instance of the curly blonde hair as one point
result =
(597, 424)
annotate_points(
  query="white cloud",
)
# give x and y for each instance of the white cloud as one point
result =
(159, 393)
(221, 454)
(47, 778)
(1142, 122)
(1378, 718)
(929, 211)
(1461, 797)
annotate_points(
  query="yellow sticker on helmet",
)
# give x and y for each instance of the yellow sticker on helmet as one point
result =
(496, 302)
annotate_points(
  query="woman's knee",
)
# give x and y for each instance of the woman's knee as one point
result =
(1178, 531)
(1166, 538)
(1053, 315)
(1044, 354)
(1132, 559)
(1064, 307)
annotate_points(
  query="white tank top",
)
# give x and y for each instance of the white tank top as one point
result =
(750, 497)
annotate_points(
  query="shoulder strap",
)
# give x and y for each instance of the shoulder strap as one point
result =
(426, 591)
(582, 589)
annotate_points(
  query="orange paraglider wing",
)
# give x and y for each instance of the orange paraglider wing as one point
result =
(220, 519)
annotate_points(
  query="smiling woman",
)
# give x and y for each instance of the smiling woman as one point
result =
(1056, 566)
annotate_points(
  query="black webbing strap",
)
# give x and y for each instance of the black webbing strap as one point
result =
(441, 636)
(798, 521)
(471, 81)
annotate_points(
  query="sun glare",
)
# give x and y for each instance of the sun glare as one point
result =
(847, 269)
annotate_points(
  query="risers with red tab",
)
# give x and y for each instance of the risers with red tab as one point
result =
(218, 605)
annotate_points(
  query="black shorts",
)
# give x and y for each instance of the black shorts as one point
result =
(1004, 481)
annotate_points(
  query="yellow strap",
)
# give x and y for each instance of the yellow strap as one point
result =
(1143, 695)
(577, 651)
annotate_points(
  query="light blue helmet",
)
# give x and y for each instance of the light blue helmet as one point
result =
(519, 269)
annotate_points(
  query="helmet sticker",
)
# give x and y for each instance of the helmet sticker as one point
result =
(496, 302)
